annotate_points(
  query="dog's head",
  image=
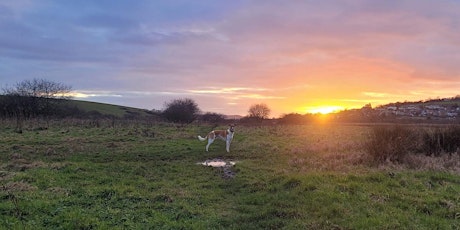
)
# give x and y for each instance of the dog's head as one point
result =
(231, 127)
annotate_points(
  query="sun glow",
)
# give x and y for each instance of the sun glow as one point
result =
(323, 109)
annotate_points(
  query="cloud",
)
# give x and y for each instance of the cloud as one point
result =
(235, 93)
(122, 93)
(375, 94)
(231, 90)
(90, 94)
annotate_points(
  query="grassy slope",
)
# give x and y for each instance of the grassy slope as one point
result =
(299, 177)
(106, 109)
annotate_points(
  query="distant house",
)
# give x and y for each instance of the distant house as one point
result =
(394, 108)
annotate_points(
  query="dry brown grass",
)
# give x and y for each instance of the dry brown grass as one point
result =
(6, 175)
(445, 162)
(323, 147)
(18, 162)
(18, 186)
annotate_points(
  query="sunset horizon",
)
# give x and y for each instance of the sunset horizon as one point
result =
(295, 57)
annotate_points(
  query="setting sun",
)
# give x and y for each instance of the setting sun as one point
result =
(323, 109)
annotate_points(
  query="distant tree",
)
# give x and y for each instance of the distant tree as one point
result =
(40, 88)
(260, 111)
(367, 106)
(181, 111)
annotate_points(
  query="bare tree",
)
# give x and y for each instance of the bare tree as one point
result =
(41, 88)
(260, 111)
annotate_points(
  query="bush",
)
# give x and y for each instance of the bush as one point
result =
(212, 117)
(181, 111)
(293, 119)
(441, 140)
(391, 143)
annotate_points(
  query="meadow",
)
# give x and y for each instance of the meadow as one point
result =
(86, 175)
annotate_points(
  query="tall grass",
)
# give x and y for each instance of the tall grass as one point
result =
(437, 141)
(395, 143)
(391, 143)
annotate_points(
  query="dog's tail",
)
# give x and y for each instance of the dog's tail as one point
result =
(202, 138)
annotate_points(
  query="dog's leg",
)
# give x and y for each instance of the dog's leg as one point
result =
(228, 142)
(210, 140)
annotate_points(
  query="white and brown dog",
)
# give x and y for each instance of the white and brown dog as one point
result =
(226, 135)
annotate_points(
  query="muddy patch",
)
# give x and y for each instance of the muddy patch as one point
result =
(227, 167)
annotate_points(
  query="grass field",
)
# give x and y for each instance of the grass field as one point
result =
(141, 176)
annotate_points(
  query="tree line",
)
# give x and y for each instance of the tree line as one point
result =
(41, 98)
(187, 110)
(32, 98)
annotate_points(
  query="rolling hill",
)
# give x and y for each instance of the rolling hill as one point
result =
(109, 109)
(9, 106)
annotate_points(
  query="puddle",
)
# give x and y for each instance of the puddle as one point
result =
(226, 167)
(218, 163)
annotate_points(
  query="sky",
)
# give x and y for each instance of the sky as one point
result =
(294, 56)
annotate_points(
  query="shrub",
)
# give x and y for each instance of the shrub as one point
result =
(391, 143)
(293, 119)
(212, 117)
(181, 111)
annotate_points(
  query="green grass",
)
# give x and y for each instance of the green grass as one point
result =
(141, 177)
